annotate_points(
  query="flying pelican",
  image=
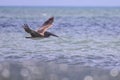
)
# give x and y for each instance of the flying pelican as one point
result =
(42, 31)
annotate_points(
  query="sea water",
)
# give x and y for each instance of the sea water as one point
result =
(88, 36)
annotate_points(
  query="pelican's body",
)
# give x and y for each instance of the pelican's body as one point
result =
(41, 32)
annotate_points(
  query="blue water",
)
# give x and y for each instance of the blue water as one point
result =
(88, 36)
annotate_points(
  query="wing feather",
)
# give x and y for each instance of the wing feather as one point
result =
(46, 25)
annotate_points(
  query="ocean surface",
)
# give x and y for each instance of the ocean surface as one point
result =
(87, 36)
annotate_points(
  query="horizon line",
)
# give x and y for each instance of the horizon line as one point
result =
(50, 6)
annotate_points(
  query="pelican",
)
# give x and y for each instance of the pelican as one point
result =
(42, 31)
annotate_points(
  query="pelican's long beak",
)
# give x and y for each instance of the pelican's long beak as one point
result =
(54, 35)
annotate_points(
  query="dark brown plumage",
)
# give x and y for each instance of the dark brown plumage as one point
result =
(42, 31)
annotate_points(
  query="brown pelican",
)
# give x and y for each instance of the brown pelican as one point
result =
(42, 31)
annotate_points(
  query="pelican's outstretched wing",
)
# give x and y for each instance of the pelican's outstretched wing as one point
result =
(26, 28)
(47, 24)
(30, 31)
